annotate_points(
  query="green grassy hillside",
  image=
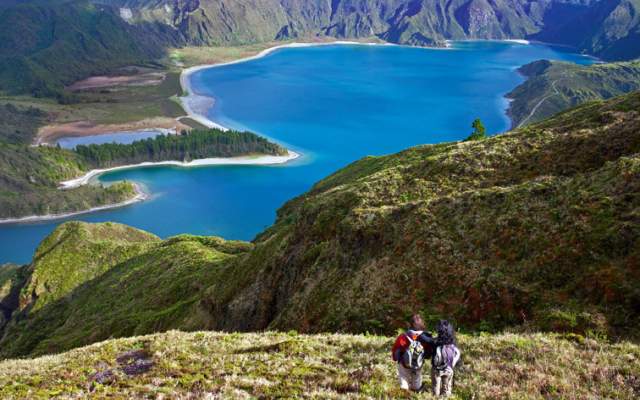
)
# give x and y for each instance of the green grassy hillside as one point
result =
(534, 230)
(77, 253)
(92, 282)
(553, 86)
(330, 366)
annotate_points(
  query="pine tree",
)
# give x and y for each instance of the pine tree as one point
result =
(479, 131)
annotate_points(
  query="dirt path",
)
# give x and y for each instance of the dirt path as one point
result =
(537, 106)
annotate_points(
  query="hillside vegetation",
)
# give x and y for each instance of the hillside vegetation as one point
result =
(534, 230)
(29, 176)
(47, 45)
(92, 282)
(554, 86)
(329, 366)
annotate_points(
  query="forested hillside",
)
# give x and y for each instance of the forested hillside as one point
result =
(534, 230)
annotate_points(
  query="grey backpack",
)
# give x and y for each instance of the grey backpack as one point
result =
(445, 357)
(413, 357)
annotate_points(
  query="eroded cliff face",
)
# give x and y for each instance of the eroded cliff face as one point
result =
(606, 28)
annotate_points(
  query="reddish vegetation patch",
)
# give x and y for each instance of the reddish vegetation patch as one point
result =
(51, 133)
(96, 82)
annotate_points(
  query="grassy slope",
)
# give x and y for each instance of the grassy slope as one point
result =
(92, 282)
(537, 228)
(556, 86)
(280, 365)
(77, 253)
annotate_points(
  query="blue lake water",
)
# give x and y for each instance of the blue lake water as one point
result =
(335, 104)
(116, 137)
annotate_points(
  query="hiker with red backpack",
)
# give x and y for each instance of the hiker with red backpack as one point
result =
(445, 357)
(410, 350)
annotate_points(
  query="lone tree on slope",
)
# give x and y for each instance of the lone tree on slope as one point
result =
(479, 131)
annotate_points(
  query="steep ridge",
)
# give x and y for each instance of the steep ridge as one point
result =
(91, 282)
(607, 29)
(537, 229)
(553, 86)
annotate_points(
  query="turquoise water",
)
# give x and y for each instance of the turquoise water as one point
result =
(334, 104)
(116, 137)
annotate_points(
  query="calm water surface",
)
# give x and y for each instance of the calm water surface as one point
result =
(335, 104)
(116, 137)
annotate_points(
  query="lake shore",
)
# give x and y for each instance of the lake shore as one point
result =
(196, 105)
(243, 160)
(140, 196)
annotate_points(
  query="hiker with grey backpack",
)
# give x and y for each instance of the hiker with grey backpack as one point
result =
(410, 351)
(445, 357)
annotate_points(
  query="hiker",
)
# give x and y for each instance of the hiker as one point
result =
(410, 350)
(445, 357)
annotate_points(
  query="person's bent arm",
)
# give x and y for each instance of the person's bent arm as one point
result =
(456, 358)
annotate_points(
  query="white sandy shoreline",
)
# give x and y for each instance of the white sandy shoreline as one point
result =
(141, 195)
(244, 160)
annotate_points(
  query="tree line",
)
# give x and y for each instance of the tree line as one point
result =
(185, 147)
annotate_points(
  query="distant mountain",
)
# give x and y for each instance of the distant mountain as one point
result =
(553, 86)
(606, 28)
(609, 29)
(535, 229)
(45, 45)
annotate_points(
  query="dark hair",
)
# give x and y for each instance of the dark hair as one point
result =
(417, 322)
(446, 333)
